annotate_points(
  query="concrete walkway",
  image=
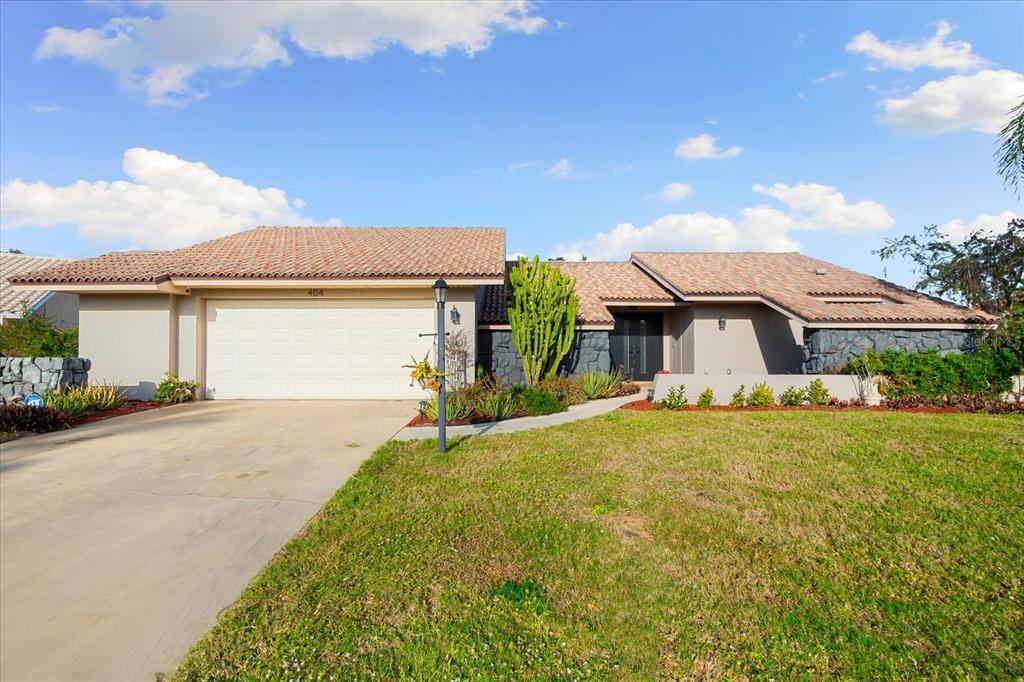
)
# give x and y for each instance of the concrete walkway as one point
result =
(121, 541)
(575, 413)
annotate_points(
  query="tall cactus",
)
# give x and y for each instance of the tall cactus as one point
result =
(542, 309)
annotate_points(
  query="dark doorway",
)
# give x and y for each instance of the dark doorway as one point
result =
(637, 345)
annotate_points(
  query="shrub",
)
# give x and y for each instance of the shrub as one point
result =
(628, 388)
(965, 403)
(793, 396)
(173, 390)
(35, 336)
(21, 418)
(537, 401)
(675, 398)
(706, 398)
(597, 384)
(455, 407)
(987, 372)
(498, 405)
(479, 391)
(565, 389)
(738, 399)
(817, 393)
(78, 400)
(761, 396)
(542, 306)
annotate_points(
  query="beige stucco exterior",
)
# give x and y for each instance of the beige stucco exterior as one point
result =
(127, 338)
(134, 339)
(756, 340)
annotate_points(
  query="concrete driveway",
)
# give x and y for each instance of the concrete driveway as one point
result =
(121, 541)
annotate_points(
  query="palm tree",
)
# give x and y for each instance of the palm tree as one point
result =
(1010, 153)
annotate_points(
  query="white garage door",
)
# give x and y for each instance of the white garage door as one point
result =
(313, 349)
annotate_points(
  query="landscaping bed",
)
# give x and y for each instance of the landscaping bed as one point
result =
(130, 407)
(922, 408)
(855, 544)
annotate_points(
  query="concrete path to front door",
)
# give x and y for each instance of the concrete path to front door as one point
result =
(122, 540)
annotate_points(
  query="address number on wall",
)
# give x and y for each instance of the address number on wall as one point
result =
(314, 292)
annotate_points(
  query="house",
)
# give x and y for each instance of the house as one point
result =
(58, 307)
(308, 312)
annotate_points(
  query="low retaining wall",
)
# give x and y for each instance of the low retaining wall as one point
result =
(826, 349)
(497, 353)
(22, 376)
(841, 386)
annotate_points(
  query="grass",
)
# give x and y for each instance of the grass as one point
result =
(656, 545)
(7, 436)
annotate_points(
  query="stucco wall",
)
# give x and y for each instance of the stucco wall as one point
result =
(127, 338)
(756, 340)
(830, 349)
(498, 354)
(61, 309)
(679, 329)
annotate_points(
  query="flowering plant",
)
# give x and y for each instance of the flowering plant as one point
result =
(425, 373)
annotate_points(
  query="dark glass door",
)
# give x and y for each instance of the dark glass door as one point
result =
(637, 345)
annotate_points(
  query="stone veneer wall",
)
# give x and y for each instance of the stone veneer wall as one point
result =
(496, 351)
(22, 376)
(829, 349)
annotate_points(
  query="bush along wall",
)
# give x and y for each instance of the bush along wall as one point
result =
(22, 376)
(829, 350)
(931, 375)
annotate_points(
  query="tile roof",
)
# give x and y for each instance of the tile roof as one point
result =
(15, 264)
(303, 252)
(791, 280)
(596, 283)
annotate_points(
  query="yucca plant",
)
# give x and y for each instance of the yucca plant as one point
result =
(498, 405)
(597, 384)
(78, 400)
(455, 407)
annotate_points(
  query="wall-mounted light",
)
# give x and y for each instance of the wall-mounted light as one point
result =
(456, 316)
(721, 323)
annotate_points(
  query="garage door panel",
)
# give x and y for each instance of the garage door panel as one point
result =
(314, 349)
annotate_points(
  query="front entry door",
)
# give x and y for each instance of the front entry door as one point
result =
(637, 345)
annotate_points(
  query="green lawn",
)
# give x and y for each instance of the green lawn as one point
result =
(664, 545)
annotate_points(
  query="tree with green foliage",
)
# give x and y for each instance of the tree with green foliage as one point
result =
(33, 335)
(542, 307)
(985, 270)
(1010, 153)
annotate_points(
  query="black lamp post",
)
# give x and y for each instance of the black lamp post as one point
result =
(440, 294)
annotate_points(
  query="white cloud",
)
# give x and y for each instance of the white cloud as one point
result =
(623, 169)
(959, 229)
(163, 52)
(167, 202)
(830, 76)
(758, 228)
(561, 169)
(820, 207)
(979, 102)
(935, 52)
(521, 165)
(762, 229)
(46, 108)
(674, 191)
(704, 147)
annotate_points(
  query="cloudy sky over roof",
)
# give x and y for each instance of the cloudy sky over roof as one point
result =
(584, 129)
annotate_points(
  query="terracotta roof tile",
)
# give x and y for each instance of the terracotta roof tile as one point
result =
(596, 283)
(303, 252)
(15, 264)
(796, 282)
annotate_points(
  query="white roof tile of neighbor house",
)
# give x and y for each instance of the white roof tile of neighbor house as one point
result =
(13, 301)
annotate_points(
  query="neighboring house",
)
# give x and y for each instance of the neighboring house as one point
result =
(58, 307)
(335, 312)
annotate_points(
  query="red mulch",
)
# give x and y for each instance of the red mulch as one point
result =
(648, 406)
(420, 420)
(131, 407)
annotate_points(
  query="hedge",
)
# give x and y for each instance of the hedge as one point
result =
(987, 373)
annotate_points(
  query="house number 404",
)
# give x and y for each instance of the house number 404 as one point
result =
(314, 292)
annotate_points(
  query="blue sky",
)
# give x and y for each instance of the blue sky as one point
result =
(582, 128)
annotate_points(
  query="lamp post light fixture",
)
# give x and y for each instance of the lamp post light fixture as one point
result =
(440, 295)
